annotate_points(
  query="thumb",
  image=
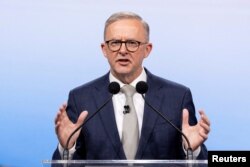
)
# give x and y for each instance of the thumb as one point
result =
(185, 118)
(81, 118)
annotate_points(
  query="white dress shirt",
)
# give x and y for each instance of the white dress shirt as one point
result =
(120, 99)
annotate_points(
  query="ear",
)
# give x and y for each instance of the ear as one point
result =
(148, 49)
(104, 49)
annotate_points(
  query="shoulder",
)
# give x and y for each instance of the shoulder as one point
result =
(94, 84)
(165, 84)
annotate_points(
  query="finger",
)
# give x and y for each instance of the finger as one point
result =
(185, 118)
(205, 127)
(64, 105)
(82, 117)
(61, 114)
(204, 117)
(62, 108)
(203, 135)
(57, 126)
(57, 117)
(63, 111)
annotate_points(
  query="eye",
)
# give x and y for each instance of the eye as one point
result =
(115, 43)
(132, 43)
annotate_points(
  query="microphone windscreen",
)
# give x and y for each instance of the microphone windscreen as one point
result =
(114, 88)
(141, 87)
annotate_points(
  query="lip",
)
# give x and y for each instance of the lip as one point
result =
(123, 62)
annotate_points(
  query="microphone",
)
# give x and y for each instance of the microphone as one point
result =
(113, 88)
(142, 88)
(126, 109)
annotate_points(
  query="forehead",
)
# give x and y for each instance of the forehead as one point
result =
(126, 29)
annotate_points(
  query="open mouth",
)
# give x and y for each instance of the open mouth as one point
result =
(123, 61)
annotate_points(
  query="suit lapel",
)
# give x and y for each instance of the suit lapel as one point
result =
(153, 97)
(107, 116)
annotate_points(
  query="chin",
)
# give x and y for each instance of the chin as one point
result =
(122, 71)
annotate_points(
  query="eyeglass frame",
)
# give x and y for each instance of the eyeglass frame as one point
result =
(125, 42)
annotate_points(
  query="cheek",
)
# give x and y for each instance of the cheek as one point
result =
(110, 57)
(139, 58)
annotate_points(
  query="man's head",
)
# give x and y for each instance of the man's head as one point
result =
(126, 44)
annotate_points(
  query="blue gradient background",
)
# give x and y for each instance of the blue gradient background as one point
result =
(48, 47)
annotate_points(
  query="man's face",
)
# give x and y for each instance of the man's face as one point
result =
(123, 62)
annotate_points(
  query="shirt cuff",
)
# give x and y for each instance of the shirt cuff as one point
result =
(195, 152)
(71, 151)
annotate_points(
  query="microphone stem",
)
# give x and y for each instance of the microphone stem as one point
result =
(189, 149)
(66, 150)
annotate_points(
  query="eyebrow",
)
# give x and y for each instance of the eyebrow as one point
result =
(130, 39)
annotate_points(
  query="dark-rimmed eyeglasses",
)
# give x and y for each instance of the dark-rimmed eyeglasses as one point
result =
(131, 45)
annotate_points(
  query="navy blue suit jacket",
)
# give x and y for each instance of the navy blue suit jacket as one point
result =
(99, 138)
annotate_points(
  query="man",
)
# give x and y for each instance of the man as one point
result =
(126, 44)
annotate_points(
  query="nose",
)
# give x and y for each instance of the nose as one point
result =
(123, 48)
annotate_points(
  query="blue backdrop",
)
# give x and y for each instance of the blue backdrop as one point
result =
(48, 47)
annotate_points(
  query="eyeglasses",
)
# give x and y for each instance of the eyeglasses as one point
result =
(131, 45)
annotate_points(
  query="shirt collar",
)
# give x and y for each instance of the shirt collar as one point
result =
(141, 77)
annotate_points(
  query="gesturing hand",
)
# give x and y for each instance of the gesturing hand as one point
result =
(198, 133)
(64, 127)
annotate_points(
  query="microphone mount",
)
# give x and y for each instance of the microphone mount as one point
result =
(126, 109)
